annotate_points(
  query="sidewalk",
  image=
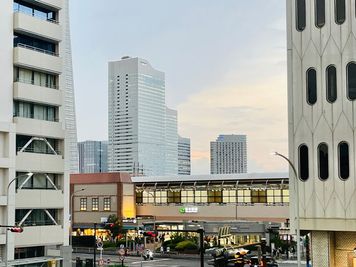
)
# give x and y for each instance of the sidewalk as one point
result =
(291, 261)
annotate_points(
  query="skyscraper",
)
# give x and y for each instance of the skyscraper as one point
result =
(184, 165)
(137, 118)
(228, 154)
(93, 156)
(171, 142)
(321, 99)
(35, 102)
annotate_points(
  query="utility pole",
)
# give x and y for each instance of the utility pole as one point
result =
(94, 245)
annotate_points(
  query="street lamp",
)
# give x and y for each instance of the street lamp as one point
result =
(29, 174)
(296, 189)
(71, 213)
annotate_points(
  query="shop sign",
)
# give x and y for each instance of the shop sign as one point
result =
(188, 210)
(129, 220)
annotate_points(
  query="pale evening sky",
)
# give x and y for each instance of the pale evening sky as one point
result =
(225, 65)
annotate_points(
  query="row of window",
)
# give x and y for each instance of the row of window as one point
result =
(35, 111)
(340, 13)
(323, 161)
(213, 196)
(331, 83)
(35, 77)
(95, 204)
(35, 11)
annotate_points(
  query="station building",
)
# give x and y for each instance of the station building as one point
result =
(249, 204)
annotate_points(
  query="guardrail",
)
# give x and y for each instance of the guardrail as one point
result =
(37, 16)
(39, 151)
(37, 49)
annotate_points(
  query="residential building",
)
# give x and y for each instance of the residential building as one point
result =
(321, 93)
(183, 156)
(93, 156)
(138, 119)
(228, 154)
(35, 157)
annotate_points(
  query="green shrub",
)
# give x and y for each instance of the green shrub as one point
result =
(186, 245)
(108, 244)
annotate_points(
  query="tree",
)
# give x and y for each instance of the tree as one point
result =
(114, 225)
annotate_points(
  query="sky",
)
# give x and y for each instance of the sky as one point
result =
(225, 65)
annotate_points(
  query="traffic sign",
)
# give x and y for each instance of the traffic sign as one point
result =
(122, 246)
(99, 244)
(122, 258)
(108, 261)
(101, 262)
(121, 252)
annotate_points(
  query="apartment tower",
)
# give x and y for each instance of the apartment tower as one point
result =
(322, 122)
(93, 156)
(228, 154)
(36, 98)
(141, 129)
(184, 165)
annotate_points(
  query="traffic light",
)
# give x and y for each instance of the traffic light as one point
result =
(16, 229)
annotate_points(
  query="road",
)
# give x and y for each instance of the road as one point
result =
(158, 262)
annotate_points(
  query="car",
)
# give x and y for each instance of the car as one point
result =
(270, 262)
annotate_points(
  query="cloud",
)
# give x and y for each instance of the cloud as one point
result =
(258, 109)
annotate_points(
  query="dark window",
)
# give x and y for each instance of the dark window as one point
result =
(323, 157)
(351, 81)
(331, 84)
(319, 13)
(340, 11)
(35, 11)
(35, 44)
(214, 196)
(174, 197)
(300, 14)
(344, 169)
(311, 86)
(303, 162)
(139, 198)
(259, 196)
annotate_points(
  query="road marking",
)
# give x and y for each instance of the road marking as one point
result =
(151, 261)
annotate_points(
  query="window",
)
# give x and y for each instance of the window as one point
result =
(311, 86)
(229, 196)
(351, 80)
(161, 196)
(300, 14)
(214, 196)
(319, 13)
(174, 197)
(323, 157)
(139, 199)
(36, 181)
(107, 204)
(201, 196)
(35, 77)
(344, 168)
(35, 111)
(95, 204)
(244, 196)
(303, 162)
(187, 196)
(35, 11)
(331, 84)
(259, 196)
(35, 43)
(83, 204)
(148, 197)
(340, 11)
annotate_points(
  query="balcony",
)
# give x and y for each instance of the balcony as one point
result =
(27, 23)
(32, 57)
(27, 91)
(40, 235)
(39, 198)
(34, 127)
(56, 4)
(35, 162)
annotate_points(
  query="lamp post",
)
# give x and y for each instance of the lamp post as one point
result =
(296, 189)
(71, 214)
(29, 174)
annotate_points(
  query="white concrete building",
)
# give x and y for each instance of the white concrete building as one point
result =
(137, 118)
(228, 154)
(321, 94)
(184, 165)
(34, 58)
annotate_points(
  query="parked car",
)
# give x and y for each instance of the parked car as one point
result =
(270, 262)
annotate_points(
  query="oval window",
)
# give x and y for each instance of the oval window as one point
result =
(331, 84)
(323, 158)
(344, 168)
(311, 86)
(300, 15)
(303, 162)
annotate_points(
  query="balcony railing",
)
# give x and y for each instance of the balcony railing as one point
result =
(39, 150)
(30, 81)
(28, 223)
(31, 116)
(35, 15)
(37, 49)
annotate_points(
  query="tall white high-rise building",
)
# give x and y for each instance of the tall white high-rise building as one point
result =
(35, 102)
(171, 142)
(184, 165)
(93, 156)
(228, 154)
(138, 119)
(322, 122)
